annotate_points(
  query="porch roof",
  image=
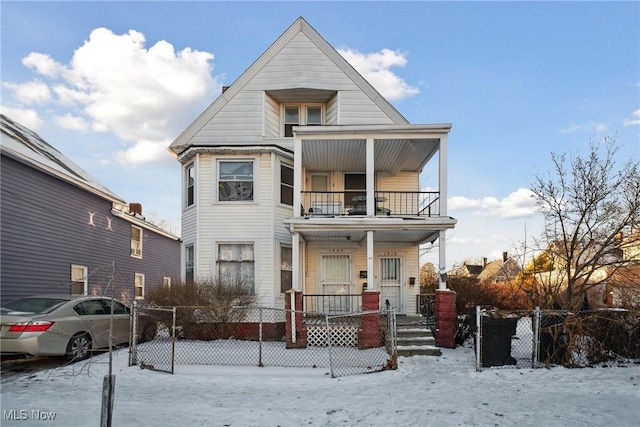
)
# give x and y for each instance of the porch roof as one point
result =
(409, 230)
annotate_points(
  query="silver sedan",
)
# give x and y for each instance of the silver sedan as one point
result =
(66, 326)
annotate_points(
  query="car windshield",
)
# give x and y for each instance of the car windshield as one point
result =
(34, 305)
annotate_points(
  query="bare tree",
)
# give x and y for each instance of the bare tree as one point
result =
(589, 204)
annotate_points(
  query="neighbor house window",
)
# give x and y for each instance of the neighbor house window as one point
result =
(190, 181)
(78, 280)
(286, 268)
(236, 265)
(188, 263)
(139, 285)
(296, 115)
(166, 282)
(136, 242)
(235, 181)
(286, 185)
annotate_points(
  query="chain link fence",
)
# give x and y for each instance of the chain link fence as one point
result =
(542, 338)
(346, 344)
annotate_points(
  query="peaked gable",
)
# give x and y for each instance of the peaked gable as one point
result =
(302, 60)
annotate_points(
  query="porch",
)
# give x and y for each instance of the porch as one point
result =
(387, 203)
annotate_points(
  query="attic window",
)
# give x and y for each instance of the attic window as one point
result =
(303, 114)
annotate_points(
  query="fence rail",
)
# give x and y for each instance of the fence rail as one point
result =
(256, 336)
(540, 338)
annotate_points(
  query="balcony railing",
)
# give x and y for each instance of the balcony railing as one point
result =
(354, 202)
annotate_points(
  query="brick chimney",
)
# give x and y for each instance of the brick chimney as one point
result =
(505, 256)
(135, 208)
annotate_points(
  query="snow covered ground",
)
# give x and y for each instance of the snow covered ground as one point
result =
(424, 391)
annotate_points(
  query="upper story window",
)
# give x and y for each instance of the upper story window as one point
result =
(296, 115)
(286, 184)
(190, 181)
(235, 181)
(136, 242)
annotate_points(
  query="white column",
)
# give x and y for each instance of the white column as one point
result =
(443, 175)
(297, 176)
(371, 178)
(442, 262)
(371, 283)
(295, 260)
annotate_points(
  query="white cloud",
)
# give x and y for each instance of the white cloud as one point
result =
(141, 95)
(69, 121)
(376, 69)
(30, 93)
(518, 204)
(635, 121)
(571, 129)
(27, 118)
(602, 127)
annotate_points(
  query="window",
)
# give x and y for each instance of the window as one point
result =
(166, 282)
(78, 280)
(136, 242)
(139, 285)
(296, 115)
(188, 263)
(189, 179)
(236, 265)
(286, 269)
(286, 185)
(235, 181)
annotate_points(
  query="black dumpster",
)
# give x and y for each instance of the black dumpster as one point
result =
(496, 340)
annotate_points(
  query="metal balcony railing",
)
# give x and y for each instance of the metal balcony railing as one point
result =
(332, 304)
(354, 202)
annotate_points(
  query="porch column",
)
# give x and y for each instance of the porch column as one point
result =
(295, 260)
(371, 178)
(442, 261)
(442, 184)
(371, 283)
(297, 176)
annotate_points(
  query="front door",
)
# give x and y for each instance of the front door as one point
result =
(336, 284)
(391, 284)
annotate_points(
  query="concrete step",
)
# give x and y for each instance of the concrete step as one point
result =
(404, 341)
(414, 332)
(418, 350)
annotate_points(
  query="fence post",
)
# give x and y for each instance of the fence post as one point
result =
(260, 364)
(173, 339)
(536, 337)
(326, 316)
(478, 339)
(133, 349)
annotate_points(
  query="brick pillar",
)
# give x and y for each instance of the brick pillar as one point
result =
(301, 330)
(446, 318)
(369, 335)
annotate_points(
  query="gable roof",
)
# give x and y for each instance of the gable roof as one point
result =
(26, 146)
(499, 268)
(182, 142)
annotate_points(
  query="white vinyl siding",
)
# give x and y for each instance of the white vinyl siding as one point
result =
(271, 117)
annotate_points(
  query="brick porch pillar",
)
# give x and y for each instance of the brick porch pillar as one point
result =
(446, 318)
(369, 335)
(301, 330)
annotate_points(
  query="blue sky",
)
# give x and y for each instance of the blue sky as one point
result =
(517, 80)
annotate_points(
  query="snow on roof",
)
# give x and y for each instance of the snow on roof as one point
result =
(27, 146)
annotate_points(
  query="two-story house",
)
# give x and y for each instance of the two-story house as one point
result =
(302, 176)
(63, 232)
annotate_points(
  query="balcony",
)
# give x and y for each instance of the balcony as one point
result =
(353, 203)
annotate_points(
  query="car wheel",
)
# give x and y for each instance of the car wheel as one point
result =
(148, 332)
(78, 347)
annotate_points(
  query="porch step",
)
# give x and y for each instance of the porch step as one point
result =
(415, 338)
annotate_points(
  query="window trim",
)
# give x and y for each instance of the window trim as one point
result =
(303, 116)
(189, 186)
(136, 285)
(136, 252)
(243, 242)
(166, 282)
(281, 269)
(286, 165)
(85, 279)
(254, 164)
(189, 265)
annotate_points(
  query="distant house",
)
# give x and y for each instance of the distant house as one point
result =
(302, 176)
(63, 232)
(500, 270)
